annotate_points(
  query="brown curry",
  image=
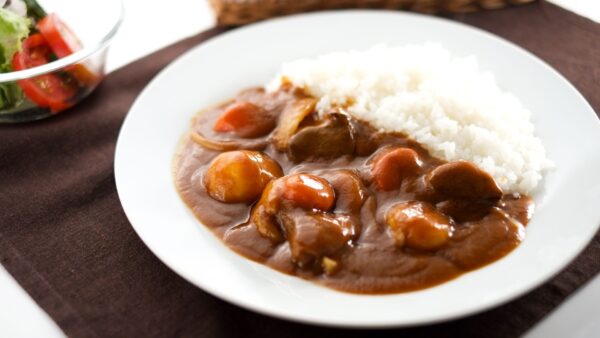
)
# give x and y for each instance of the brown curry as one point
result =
(330, 199)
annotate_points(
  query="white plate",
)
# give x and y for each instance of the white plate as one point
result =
(567, 213)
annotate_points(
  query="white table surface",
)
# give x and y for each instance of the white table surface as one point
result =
(20, 316)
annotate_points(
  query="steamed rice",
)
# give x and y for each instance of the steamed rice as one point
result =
(445, 103)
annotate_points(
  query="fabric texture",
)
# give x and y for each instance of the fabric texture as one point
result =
(65, 238)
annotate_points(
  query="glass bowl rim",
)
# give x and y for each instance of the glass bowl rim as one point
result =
(74, 58)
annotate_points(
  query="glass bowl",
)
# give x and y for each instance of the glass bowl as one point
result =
(54, 87)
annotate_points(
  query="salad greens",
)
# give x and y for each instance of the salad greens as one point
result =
(29, 37)
(13, 29)
(34, 10)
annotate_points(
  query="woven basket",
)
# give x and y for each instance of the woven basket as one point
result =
(239, 12)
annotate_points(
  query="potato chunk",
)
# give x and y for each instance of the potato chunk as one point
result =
(240, 176)
(418, 225)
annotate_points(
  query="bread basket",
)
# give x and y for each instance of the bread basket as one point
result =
(239, 12)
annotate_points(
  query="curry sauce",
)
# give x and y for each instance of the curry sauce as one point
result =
(330, 199)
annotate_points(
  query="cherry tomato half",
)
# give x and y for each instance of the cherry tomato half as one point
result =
(64, 42)
(59, 36)
(51, 91)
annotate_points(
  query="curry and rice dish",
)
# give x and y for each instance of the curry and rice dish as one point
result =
(367, 177)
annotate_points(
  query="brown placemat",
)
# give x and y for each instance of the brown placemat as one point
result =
(65, 238)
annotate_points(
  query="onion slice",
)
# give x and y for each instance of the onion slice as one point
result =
(16, 6)
(291, 117)
(227, 145)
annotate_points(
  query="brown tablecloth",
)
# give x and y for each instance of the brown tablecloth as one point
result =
(65, 238)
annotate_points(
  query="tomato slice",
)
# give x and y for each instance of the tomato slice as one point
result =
(59, 36)
(38, 52)
(52, 90)
(64, 42)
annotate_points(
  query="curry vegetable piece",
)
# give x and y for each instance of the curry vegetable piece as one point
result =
(294, 113)
(240, 176)
(388, 169)
(418, 225)
(309, 192)
(245, 119)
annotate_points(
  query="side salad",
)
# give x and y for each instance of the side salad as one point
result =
(30, 37)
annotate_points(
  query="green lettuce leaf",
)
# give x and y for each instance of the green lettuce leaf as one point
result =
(13, 29)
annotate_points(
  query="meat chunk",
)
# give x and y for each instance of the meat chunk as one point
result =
(295, 208)
(465, 210)
(331, 138)
(315, 235)
(463, 180)
(349, 190)
(304, 191)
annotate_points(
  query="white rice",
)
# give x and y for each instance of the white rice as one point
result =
(445, 103)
